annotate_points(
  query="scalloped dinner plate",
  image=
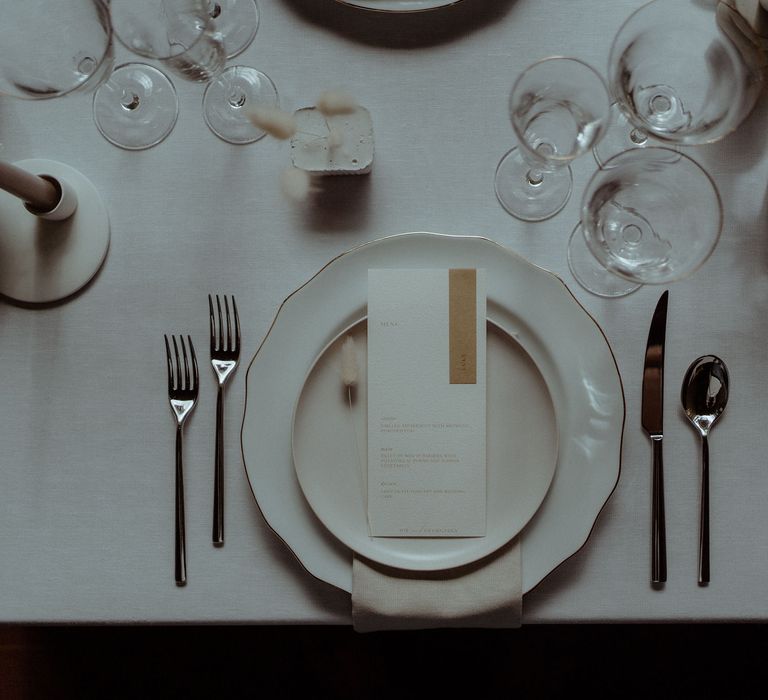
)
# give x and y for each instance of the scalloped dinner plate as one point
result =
(531, 305)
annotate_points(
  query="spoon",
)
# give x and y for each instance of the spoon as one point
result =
(704, 395)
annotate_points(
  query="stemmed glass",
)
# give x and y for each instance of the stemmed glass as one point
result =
(182, 35)
(650, 216)
(52, 49)
(559, 109)
(682, 83)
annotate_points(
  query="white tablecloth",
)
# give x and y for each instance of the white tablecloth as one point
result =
(86, 465)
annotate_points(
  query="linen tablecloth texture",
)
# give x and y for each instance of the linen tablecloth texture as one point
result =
(487, 593)
(86, 470)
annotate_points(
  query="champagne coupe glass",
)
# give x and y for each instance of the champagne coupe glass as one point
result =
(680, 72)
(182, 35)
(237, 21)
(559, 109)
(649, 216)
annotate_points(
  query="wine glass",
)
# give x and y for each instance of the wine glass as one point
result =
(52, 49)
(559, 109)
(649, 216)
(681, 82)
(182, 35)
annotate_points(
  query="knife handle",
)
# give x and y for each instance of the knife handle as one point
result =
(658, 527)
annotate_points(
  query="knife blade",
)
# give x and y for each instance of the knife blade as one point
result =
(653, 424)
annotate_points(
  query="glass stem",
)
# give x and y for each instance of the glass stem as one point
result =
(237, 98)
(534, 177)
(130, 100)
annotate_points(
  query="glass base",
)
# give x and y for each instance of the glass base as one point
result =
(528, 194)
(136, 108)
(237, 21)
(590, 274)
(621, 136)
(228, 98)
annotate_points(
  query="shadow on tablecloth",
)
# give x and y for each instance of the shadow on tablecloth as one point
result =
(402, 30)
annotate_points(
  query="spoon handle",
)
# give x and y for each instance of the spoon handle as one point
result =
(704, 516)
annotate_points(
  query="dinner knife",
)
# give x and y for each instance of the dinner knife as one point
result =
(653, 424)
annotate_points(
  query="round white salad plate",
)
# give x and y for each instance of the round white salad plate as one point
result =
(399, 5)
(330, 454)
(530, 305)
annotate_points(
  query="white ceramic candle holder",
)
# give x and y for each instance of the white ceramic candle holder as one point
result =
(48, 256)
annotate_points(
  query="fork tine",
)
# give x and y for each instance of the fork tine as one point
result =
(170, 364)
(178, 363)
(213, 324)
(229, 330)
(221, 329)
(186, 363)
(195, 374)
(237, 326)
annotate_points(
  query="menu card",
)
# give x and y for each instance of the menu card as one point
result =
(426, 403)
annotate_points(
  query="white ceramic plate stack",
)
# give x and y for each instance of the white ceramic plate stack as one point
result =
(330, 449)
(399, 5)
(555, 416)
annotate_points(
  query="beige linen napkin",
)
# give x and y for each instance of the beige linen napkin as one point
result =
(487, 593)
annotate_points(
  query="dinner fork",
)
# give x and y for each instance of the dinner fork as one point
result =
(225, 354)
(183, 388)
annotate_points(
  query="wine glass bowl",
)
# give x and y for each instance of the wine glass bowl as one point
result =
(650, 216)
(51, 49)
(559, 108)
(178, 33)
(685, 83)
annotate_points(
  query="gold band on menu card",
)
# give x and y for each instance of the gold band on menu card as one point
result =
(462, 325)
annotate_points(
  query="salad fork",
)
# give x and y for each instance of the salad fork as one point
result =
(183, 388)
(225, 354)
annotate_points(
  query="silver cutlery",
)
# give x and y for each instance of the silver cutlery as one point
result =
(225, 354)
(653, 424)
(704, 395)
(183, 387)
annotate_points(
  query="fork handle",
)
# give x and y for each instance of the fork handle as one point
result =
(180, 548)
(218, 476)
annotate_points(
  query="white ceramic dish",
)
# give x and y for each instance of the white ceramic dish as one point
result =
(399, 5)
(532, 304)
(330, 449)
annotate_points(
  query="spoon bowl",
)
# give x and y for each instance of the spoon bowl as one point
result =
(704, 396)
(705, 392)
